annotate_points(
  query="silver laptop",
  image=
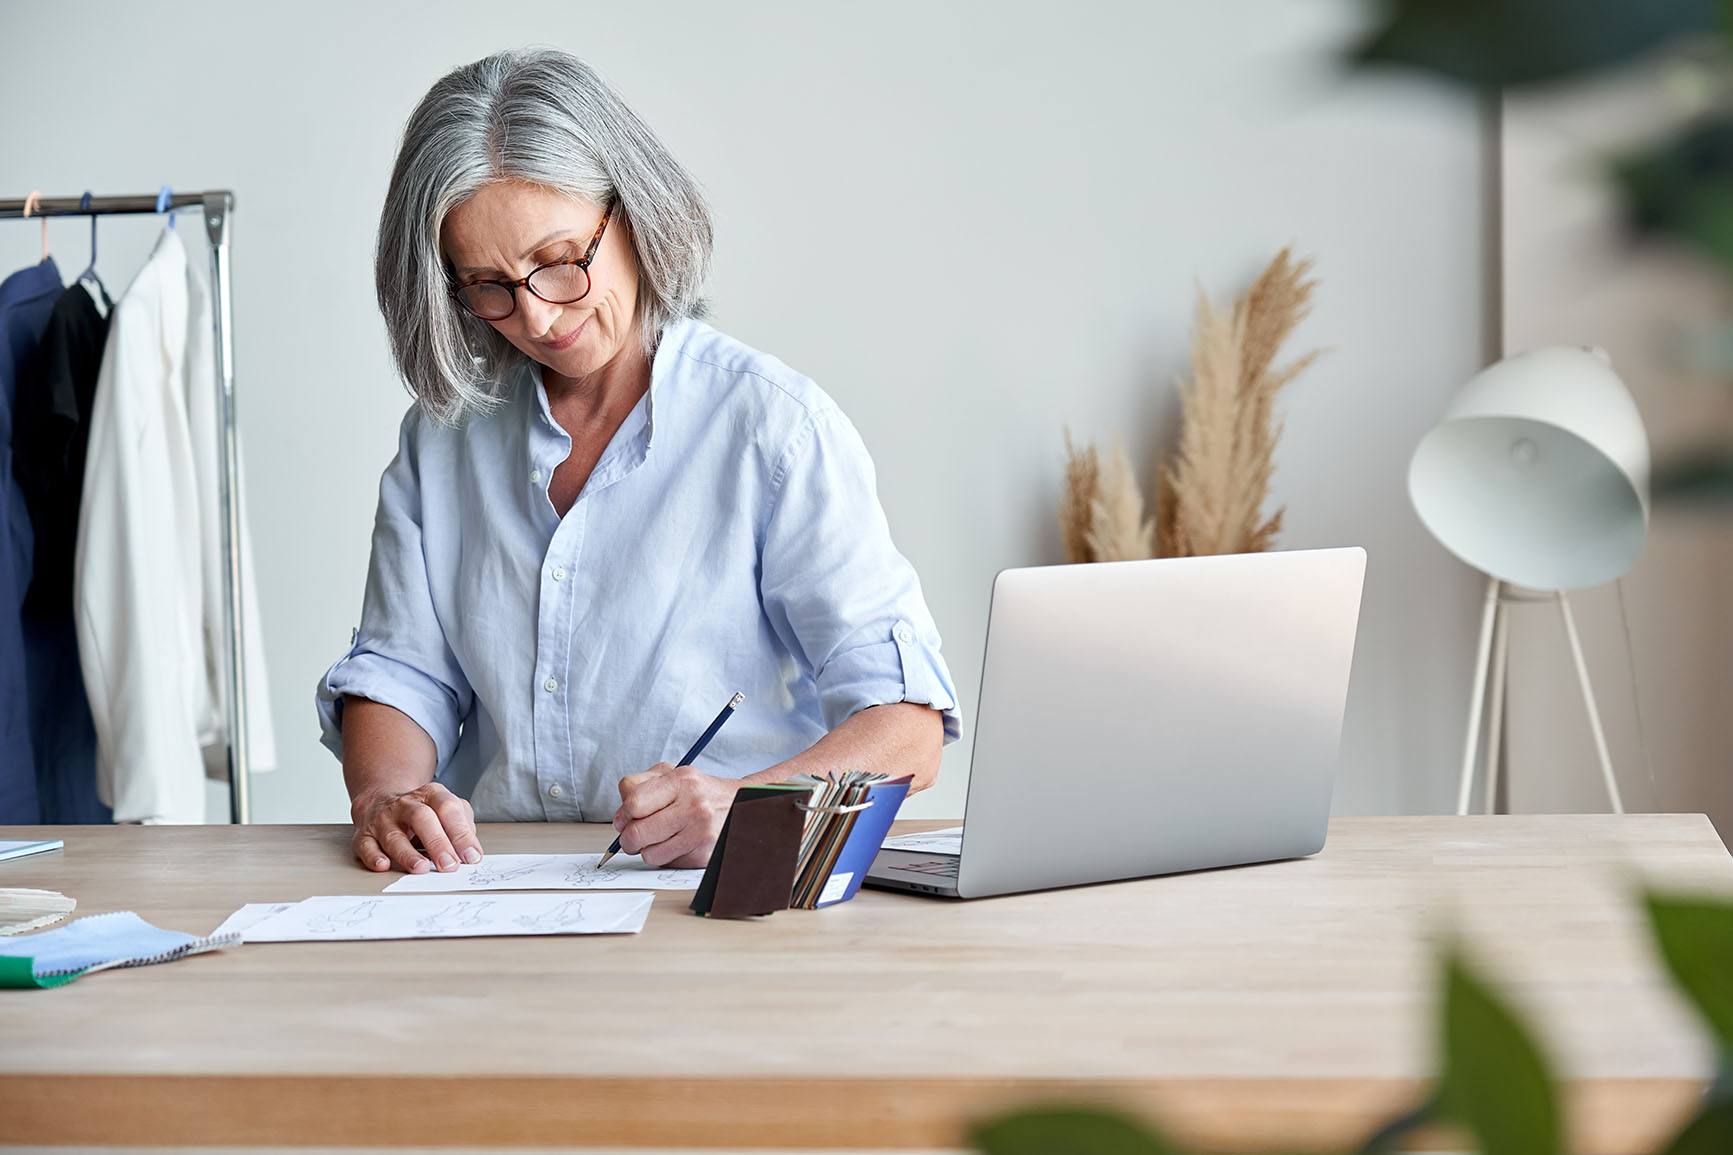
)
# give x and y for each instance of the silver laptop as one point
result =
(1147, 717)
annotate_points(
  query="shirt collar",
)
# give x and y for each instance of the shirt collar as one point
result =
(662, 365)
(668, 347)
(624, 453)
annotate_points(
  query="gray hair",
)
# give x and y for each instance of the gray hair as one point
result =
(544, 117)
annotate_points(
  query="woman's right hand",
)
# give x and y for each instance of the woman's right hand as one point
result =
(386, 825)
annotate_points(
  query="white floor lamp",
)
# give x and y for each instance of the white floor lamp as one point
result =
(1537, 475)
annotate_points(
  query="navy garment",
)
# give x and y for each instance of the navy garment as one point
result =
(56, 384)
(62, 734)
(27, 298)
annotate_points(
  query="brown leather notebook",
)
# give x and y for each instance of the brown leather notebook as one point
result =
(752, 868)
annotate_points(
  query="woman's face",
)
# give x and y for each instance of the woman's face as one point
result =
(510, 228)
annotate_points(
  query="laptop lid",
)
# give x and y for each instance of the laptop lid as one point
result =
(1146, 717)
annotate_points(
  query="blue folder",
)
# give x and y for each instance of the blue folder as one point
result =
(865, 837)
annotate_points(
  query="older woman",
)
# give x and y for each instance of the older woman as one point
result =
(604, 516)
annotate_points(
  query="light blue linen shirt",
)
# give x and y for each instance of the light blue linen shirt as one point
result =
(729, 538)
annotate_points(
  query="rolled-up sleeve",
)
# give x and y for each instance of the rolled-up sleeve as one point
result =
(400, 655)
(836, 590)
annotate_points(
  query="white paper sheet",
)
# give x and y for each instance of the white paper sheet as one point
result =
(549, 872)
(946, 841)
(249, 914)
(332, 918)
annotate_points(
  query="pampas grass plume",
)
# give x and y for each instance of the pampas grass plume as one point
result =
(1082, 477)
(1118, 530)
(1211, 496)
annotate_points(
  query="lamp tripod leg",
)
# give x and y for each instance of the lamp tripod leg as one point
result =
(1589, 701)
(1495, 717)
(1478, 698)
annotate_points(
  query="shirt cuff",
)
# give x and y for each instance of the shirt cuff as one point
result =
(903, 668)
(392, 683)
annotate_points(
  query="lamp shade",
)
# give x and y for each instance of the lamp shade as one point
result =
(1538, 472)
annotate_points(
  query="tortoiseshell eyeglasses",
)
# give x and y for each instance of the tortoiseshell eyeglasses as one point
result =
(557, 283)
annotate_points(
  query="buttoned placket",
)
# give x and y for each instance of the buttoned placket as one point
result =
(552, 711)
(559, 750)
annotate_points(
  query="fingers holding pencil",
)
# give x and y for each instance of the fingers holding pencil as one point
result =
(672, 815)
(697, 795)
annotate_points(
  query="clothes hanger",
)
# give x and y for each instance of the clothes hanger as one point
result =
(165, 203)
(89, 274)
(33, 204)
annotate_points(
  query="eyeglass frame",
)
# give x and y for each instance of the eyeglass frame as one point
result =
(523, 282)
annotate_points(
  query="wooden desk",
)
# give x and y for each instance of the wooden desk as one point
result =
(1288, 1003)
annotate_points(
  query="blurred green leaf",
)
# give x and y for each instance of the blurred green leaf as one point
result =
(1508, 43)
(1683, 188)
(1695, 937)
(1710, 1133)
(1068, 1131)
(1721, 1090)
(1495, 1079)
(1703, 479)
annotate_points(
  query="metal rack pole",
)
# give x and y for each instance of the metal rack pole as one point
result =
(108, 206)
(215, 206)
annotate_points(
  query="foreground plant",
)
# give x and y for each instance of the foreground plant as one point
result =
(1495, 1084)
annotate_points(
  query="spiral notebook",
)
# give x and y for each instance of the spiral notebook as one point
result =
(13, 848)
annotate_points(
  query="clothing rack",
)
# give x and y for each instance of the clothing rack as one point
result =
(215, 206)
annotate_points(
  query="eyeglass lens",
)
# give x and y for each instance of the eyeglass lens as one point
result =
(555, 284)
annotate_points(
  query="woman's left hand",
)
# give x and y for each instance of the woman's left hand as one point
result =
(671, 815)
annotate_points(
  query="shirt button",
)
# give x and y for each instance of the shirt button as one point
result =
(554, 791)
(904, 634)
(559, 573)
(535, 475)
(550, 685)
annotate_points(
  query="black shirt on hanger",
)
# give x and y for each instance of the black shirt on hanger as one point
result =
(56, 385)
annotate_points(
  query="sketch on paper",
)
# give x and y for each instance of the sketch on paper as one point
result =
(462, 915)
(549, 872)
(329, 918)
(252, 912)
(947, 841)
(350, 917)
(590, 875)
(496, 872)
(586, 874)
(567, 913)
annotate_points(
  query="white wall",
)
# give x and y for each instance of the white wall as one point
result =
(1572, 277)
(973, 224)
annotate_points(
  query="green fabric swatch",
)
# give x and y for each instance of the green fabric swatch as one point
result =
(21, 972)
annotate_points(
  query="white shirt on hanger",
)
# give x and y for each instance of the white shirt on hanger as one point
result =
(148, 584)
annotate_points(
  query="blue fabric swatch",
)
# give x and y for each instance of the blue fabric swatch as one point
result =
(99, 939)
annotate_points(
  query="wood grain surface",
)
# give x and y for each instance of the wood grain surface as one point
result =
(1289, 1003)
